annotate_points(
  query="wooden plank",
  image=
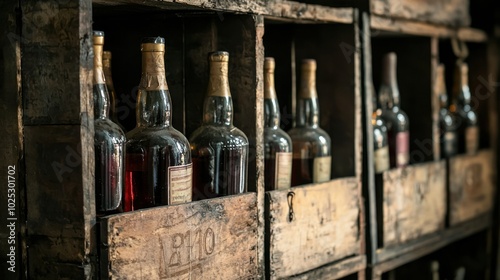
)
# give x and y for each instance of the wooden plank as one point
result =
(324, 228)
(334, 271)
(401, 26)
(58, 118)
(447, 12)
(279, 10)
(51, 51)
(471, 186)
(414, 202)
(209, 239)
(391, 258)
(60, 205)
(12, 242)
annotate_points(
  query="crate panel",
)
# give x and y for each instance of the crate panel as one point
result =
(413, 202)
(324, 227)
(471, 186)
(209, 239)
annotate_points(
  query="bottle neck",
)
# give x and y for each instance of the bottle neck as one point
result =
(106, 62)
(218, 105)
(153, 101)
(271, 107)
(389, 84)
(461, 88)
(441, 89)
(101, 98)
(307, 105)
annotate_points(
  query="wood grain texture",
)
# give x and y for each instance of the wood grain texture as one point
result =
(334, 271)
(59, 207)
(280, 10)
(446, 12)
(324, 228)
(210, 239)
(58, 124)
(11, 143)
(403, 26)
(471, 186)
(414, 202)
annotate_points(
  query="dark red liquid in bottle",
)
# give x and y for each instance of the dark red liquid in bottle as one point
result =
(302, 171)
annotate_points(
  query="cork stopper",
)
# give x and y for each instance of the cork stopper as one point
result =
(309, 65)
(269, 64)
(106, 55)
(308, 79)
(98, 37)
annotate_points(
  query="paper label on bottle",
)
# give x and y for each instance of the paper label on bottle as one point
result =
(381, 159)
(283, 169)
(180, 184)
(449, 143)
(322, 169)
(471, 139)
(402, 149)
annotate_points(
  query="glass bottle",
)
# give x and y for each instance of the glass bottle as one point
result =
(311, 144)
(380, 140)
(159, 168)
(398, 128)
(277, 144)
(106, 63)
(468, 129)
(447, 125)
(219, 149)
(109, 142)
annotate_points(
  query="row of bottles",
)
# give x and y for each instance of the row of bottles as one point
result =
(155, 164)
(459, 132)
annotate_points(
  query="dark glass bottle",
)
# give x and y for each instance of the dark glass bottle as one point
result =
(398, 127)
(106, 63)
(447, 125)
(380, 140)
(109, 142)
(468, 129)
(277, 144)
(219, 149)
(159, 169)
(311, 144)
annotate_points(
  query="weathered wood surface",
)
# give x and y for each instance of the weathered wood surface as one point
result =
(337, 270)
(391, 258)
(210, 239)
(413, 202)
(11, 145)
(471, 186)
(58, 125)
(446, 12)
(280, 10)
(425, 29)
(324, 228)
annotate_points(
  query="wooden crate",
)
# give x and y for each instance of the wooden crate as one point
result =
(211, 239)
(412, 202)
(471, 186)
(312, 226)
(325, 236)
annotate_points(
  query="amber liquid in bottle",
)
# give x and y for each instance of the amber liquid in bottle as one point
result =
(109, 142)
(448, 140)
(159, 168)
(106, 63)
(277, 144)
(396, 120)
(219, 149)
(311, 144)
(468, 129)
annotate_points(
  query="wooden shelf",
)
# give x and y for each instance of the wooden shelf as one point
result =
(336, 270)
(392, 26)
(392, 257)
(279, 11)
